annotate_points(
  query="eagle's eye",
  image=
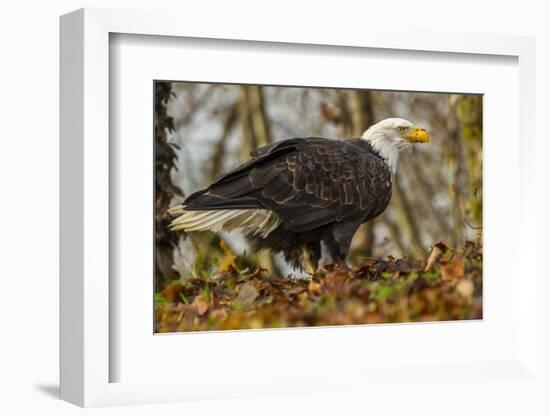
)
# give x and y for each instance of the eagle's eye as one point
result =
(402, 129)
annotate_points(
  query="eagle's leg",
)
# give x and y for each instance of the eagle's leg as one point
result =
(311, 254)
(338, 241)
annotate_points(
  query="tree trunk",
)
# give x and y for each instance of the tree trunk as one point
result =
(406, 221)
(165, 190)
(470, 116)
(219, 151)
(255, 133)
(361, 114)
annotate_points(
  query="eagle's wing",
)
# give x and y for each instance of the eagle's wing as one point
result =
(307, 182)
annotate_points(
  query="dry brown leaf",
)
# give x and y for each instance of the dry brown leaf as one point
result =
(335, 281)
(454, 268)
(247, 293)
(465, 287)
(171, 292)
(435, 253)
(199, 305)
(314, 287)
(219, 314)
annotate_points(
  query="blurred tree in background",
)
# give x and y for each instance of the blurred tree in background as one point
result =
(203, 130)
(165, 190)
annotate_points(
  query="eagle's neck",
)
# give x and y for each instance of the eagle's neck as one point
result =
(386, 148)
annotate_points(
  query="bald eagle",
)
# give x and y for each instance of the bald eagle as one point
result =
(296, 193)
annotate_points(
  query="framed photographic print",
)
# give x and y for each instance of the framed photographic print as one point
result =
(277, 227)
(295, 211)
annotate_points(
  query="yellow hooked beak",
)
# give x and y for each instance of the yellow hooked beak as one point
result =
(418, 135)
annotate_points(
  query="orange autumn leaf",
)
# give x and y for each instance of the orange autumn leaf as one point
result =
(336, 282)
(199, 305)
(171, 292)
(454, 268)
(228, 260)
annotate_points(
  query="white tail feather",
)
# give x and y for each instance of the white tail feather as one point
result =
(255, 222)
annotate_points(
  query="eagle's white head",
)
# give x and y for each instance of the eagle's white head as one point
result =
(388, 137)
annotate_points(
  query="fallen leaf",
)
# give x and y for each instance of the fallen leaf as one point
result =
(403, 266)
(436, 252)
(335, 281)
(314, 287)
(465, 287)
(219, 314)
(171, 292)
(199, 305)
(454, 268)
(227, 263)
(295, 290)
(382, 265)
(247, 293)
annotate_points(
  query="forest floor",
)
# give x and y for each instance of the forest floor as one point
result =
(447, 285)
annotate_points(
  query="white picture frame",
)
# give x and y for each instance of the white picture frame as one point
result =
(86, 357)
